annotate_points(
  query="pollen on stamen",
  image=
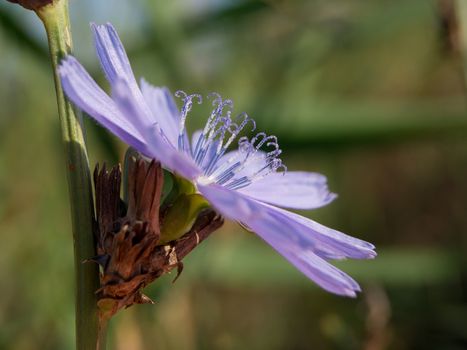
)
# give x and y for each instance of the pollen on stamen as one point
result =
(256, 157)
(183, 145)
(254, 164)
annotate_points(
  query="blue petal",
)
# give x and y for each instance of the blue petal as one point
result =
(329, 243)
(305, 246)
(163, 109)
(82, 90)
(157, 145)
(130, 99)
(293, 189)
(250, 165)
(116, 65)
(112, 55)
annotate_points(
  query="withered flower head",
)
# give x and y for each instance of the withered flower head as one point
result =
(32, 4)
(130, 250)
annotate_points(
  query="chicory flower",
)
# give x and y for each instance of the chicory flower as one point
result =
(249, 185)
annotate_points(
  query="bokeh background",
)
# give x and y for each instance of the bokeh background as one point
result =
(370, 93)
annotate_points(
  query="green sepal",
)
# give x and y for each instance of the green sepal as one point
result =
(179, 186)
(181, 215)
(169, 185)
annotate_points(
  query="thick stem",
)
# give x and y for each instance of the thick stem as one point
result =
(57, 24)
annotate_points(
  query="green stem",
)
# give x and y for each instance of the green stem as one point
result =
(57, 24)
(461, 12)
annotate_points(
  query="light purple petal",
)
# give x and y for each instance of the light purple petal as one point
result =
(83, 91)
(323, 240)
(250, 165)
(131, 103)
(163, 109)
(328, 243)
(303, 245)
(324, 274)
(112, 55)
(293, 189)
(157, 146)
(116, 65)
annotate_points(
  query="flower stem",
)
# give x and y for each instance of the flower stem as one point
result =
(461, 12)
(57, 24)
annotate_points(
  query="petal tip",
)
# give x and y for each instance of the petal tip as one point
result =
(348, 291)
(353, 291)
(94, 27)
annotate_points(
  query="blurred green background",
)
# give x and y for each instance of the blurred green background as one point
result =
(370, 93)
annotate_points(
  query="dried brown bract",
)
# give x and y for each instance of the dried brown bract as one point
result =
(32, 4)
(127, 239)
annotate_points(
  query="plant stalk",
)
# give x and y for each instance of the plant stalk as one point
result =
(461, 12)
(57, 24)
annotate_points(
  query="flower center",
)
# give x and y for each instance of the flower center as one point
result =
(255, 158)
